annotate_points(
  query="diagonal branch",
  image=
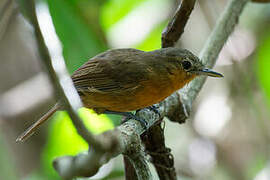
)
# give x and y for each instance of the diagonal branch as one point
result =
(225, 26)
(59, 77)
(175, 28)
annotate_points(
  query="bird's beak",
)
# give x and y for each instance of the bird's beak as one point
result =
(208, 72)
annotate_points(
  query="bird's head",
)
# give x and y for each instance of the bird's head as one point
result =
(185, 65)
(189, 63)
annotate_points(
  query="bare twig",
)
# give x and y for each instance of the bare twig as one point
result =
(161, 156)
(213, 46)
(60, 79)
(176, 26)
(140, 166)
(130, 173)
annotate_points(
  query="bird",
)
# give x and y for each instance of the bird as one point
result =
(119, 81)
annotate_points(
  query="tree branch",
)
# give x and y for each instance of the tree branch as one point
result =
(154, 139)
(128, 142)
(59, 78)
(128, 133)
(161, 156)
(224, 27)
(175, 28)
(140, 166)
(130, 172)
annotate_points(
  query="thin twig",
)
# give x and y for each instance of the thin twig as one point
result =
(60, 79)
(161, 156)
(175, 28)
(225, 26)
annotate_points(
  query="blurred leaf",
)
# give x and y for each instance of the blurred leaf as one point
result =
(63, 138)
(81, 39)
(221, 172)
(264, 65)
(114, 10)
(7, 168)
(40, 176)
(255, 166)
(153, 40)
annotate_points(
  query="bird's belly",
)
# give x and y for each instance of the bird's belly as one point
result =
(127, 101)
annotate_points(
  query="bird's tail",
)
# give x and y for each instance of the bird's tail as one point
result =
(30, 131)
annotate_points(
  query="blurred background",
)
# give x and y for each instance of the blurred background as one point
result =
(227, 136)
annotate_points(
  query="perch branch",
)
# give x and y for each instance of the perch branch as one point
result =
(128, 136)
(128, 133)
(154, 139)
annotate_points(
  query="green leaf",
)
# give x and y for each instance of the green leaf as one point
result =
(264, 65)
(114, 10)
(255, 166)
(79, 32)
(63, 138)
(153, 40)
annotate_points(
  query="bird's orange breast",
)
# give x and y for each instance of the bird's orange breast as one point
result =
(145, 94)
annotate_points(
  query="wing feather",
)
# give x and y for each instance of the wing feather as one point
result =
(108, 73)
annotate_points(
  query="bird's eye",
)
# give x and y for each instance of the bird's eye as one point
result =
(186, 65)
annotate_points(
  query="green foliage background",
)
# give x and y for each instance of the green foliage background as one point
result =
(82, 26)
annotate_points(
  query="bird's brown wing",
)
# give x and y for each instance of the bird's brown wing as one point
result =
(92, 77)
(110, 72)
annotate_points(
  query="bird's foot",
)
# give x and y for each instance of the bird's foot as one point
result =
(153, 108)
(128, 116)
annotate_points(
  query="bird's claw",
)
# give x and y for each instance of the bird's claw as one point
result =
(140, 120)
(154, 108)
